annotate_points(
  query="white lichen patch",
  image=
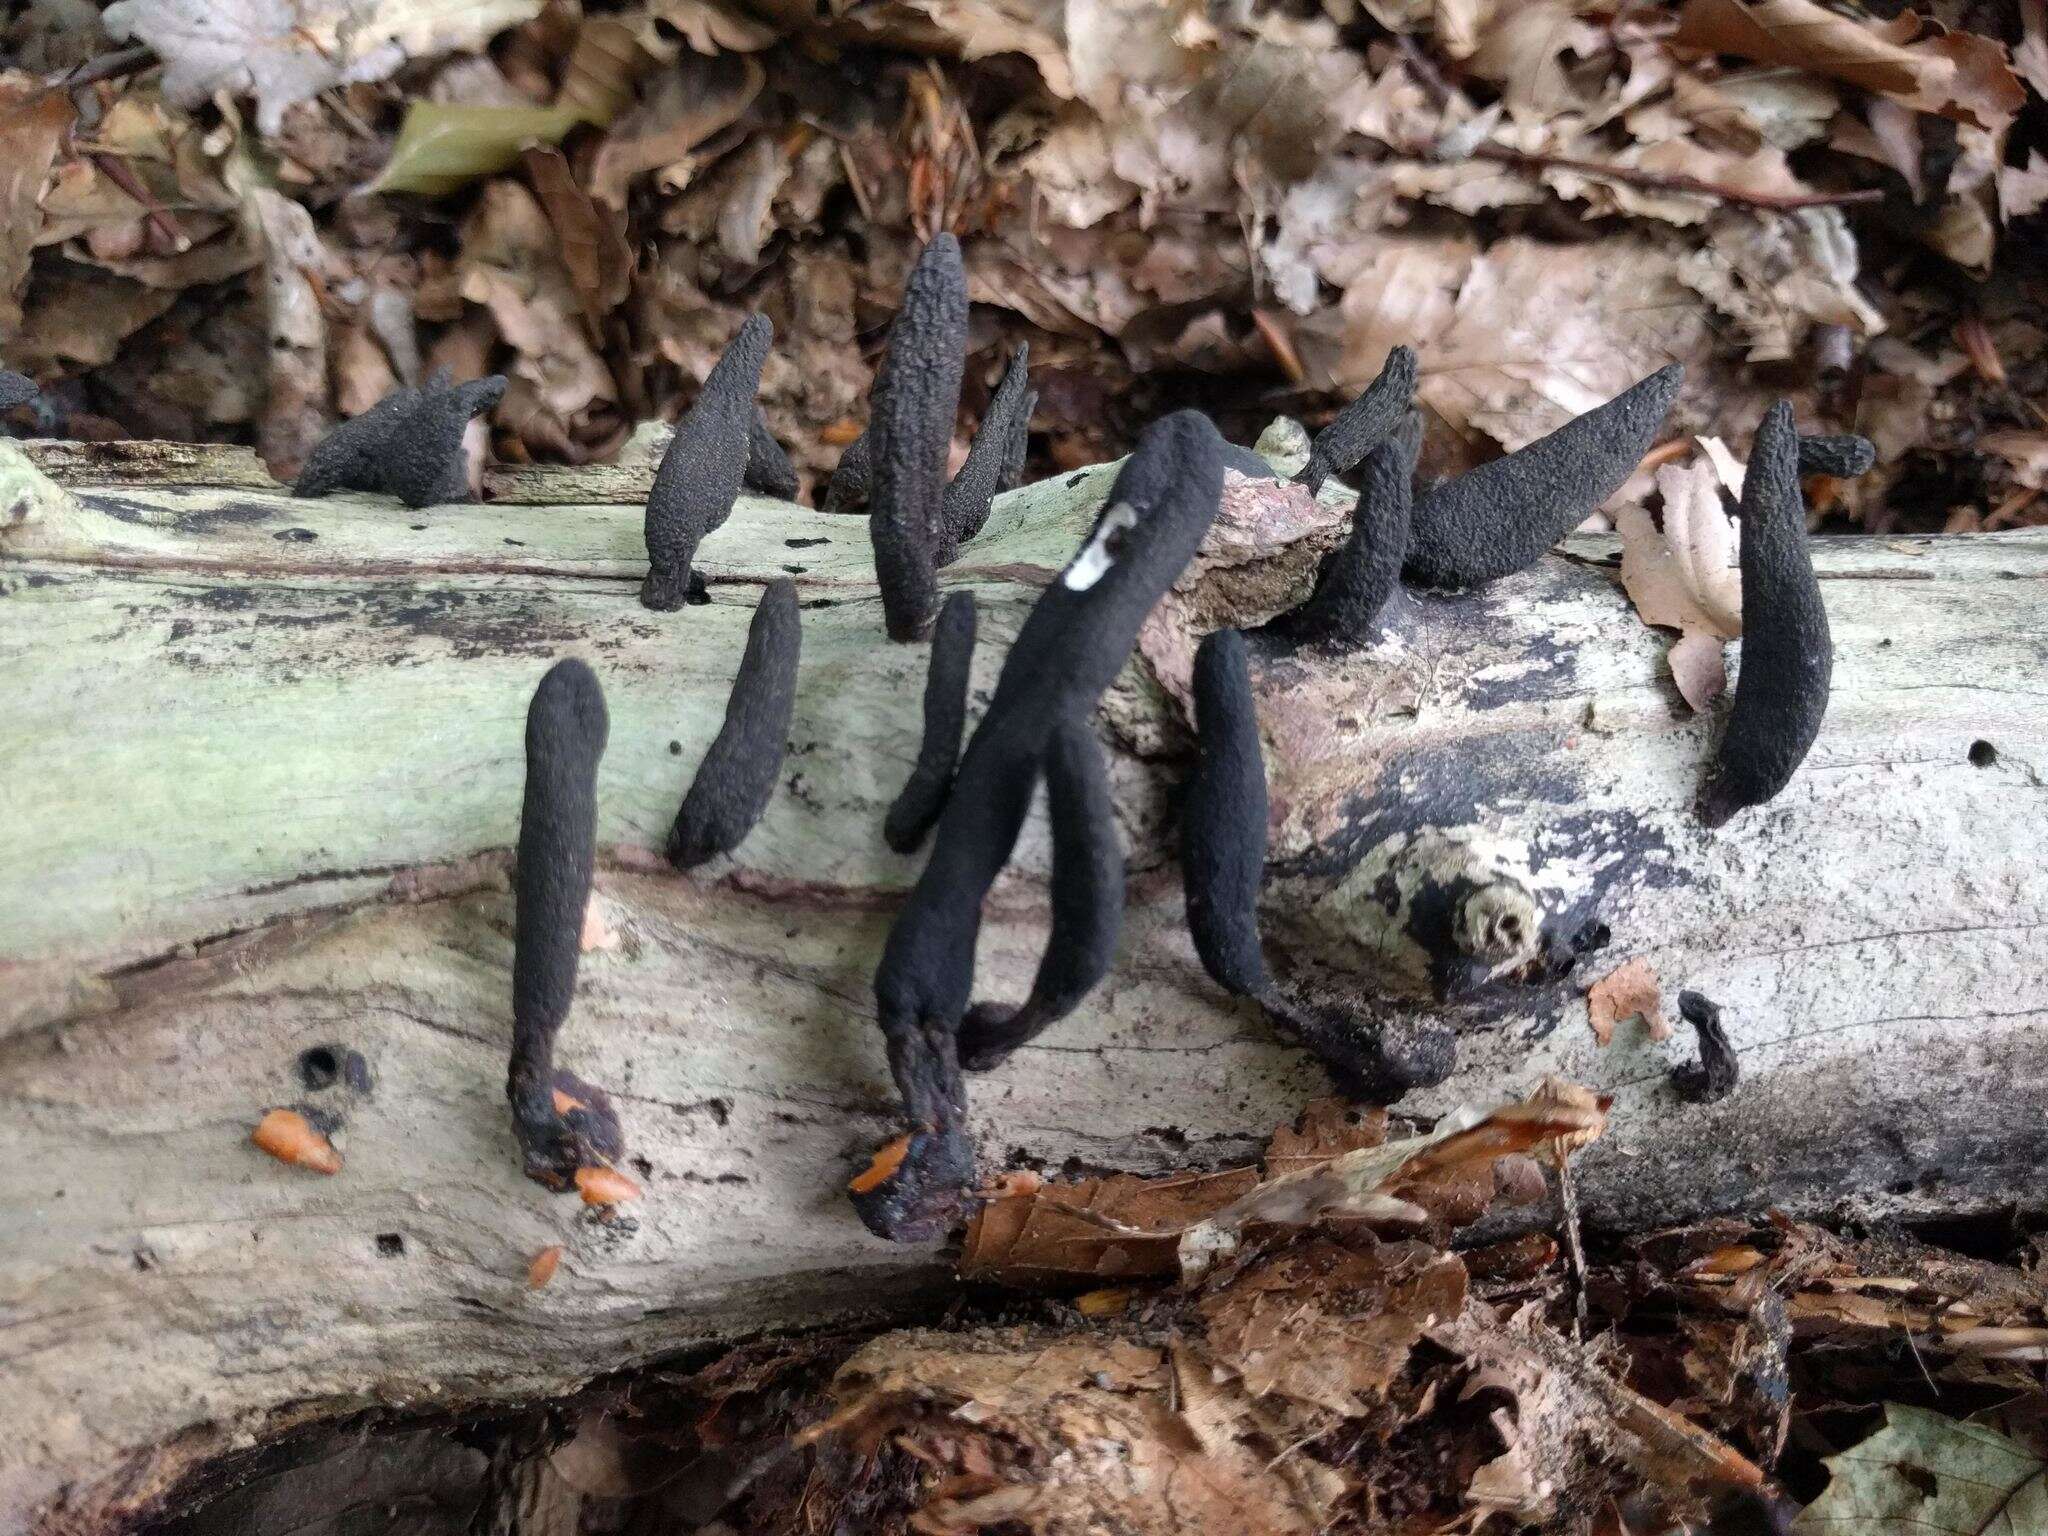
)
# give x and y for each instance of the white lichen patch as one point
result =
(1096, 556)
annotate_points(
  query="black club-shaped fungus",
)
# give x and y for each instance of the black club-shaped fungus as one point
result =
(409, 444)
(1788, 656)
(703, 466)
(737, 778)
(1356, 581)
(1364, 424)
(15, 389)
(1077, 638)
(1716, 1073)
(1087, 902)
(917, 808)
(768, 468)
(852, 478)
(1223, 820)
(1843, 455)
(965, 507)
(1502, 516)
(562, 1122)
(917, 399)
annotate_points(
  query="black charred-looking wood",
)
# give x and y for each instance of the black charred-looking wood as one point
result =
(768, 468)
(1223, 820)
(15, 389)
(917, 400)
(1843, 455)
(1087, 903)
(1077, 638)
(966, 504)
(1788, 655)
(566, 727)
(737, 778)
(1363, 424)
(847, 490)
(1717, 1071)
(1374, 1063)
(408, 445)
(1501, 517)
(1354, 584)
(703, 466)
(917, 808)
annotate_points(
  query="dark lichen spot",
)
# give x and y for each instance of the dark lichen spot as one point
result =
(391, 1245)
(805, 543)
(1982, 754)
(295, 535)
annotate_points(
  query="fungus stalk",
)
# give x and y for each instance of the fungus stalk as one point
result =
(737, 777)
(923, 797)
(703, 466)
(1223, 821)
(1087, 902)
(1364, 424)
(965, 506)
(1501, 517)
(1356, 583)
(1787, 653)
(1077, 638)
(562, 1122)
(917, 398)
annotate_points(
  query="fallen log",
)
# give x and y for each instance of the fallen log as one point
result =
(261, 777)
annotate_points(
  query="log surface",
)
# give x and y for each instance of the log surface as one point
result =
(260, 778)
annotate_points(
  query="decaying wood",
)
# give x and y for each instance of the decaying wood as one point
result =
(260, 776)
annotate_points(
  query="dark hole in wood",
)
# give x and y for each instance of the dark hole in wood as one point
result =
(1982, 754)
(319, 1067)
(391, 1245)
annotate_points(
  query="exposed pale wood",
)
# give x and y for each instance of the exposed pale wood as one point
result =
(257, 793)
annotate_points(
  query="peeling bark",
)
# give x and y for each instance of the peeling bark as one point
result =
(261, 776)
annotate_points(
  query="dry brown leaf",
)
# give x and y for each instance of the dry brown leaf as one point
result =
(689, 104)
(1327, 1128)
(542, 1269)
(296, 272)
(706, 27)
(1955, 74)
(1329, 1326)
(605, 1186)
(32, 126)
(1684, 575)
(290, 1137)
(1630, 989)
(1369, 1183)
(592, 236)
(604, 1461)
(1126, 1227)
(2025, 455)
(282, 53)
(2023, 189)
(2030, 54)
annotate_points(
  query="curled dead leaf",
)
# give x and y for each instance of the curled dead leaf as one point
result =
(1630, 989)
(605, 1186)
(543, 1267)
(291, 1138)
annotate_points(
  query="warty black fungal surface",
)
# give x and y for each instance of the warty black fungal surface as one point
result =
(1844, 455)
(768, 468)
(964, 508)
(1087, 902)
(1223, 820)
(737, 777)
(1788, 655)
(409, 444)
(1364, 424)
(1502, 516)
(917, 398)
(701, 470)
(1071, 647)
(15, 389)
(1355, 582)
(852, 477)
(1717, 1071)
(566, 727)
(917, 808)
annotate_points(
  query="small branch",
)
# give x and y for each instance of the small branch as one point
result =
(1663, 182)
(115, 169)
(108, 66)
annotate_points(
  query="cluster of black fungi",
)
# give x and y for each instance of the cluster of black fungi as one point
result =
(1478, 527)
